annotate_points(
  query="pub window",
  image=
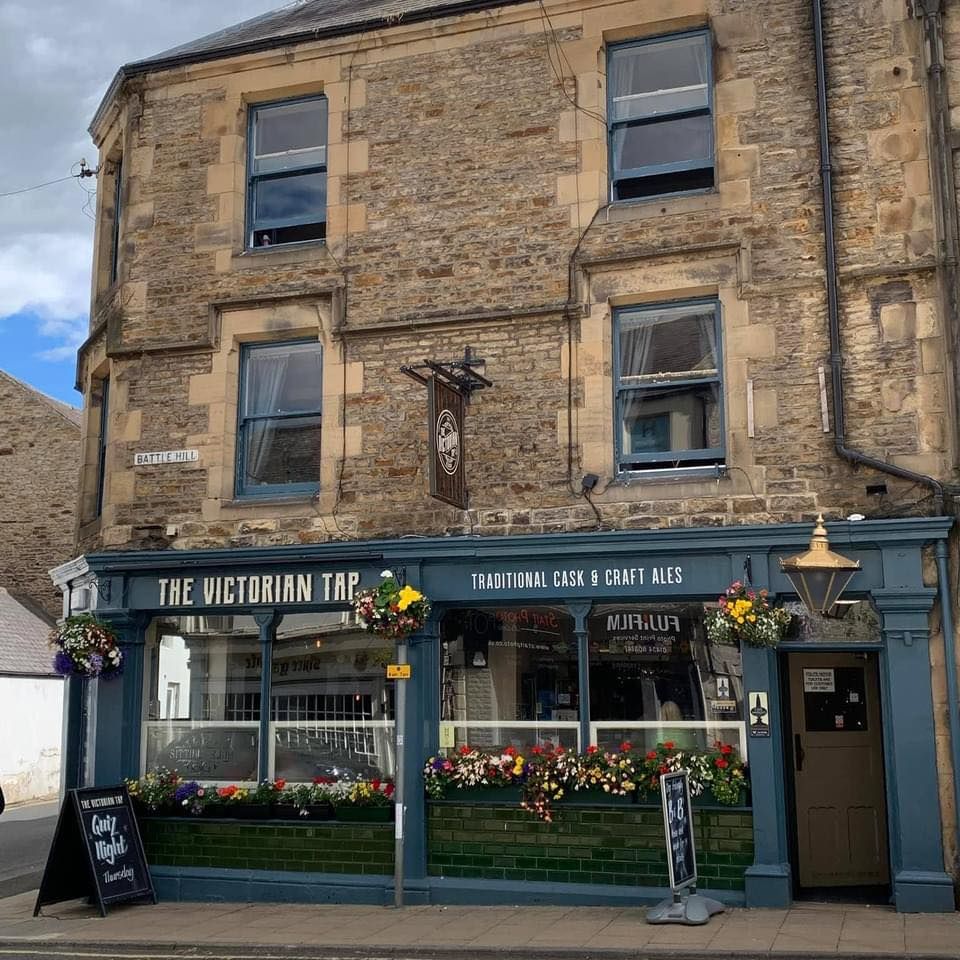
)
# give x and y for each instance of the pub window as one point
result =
(509, 678)
(202, 702)
(656, 677)
(660, 114)
(102, 443)
(331, 706)
(669, 396)
(278, 449)
(287, 172)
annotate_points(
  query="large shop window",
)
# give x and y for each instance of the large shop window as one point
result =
(278, 449)
(331, 708)
(203, 698)
(669, 388)
(654, 677)
(287, 188)
(660, 116)
(509, 678)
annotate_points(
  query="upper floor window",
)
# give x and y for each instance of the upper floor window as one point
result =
(278, 448)
(660, 115)
(669, 388)
(287, 172)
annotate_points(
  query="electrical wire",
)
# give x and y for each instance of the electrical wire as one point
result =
(558, 73)
(37, 186)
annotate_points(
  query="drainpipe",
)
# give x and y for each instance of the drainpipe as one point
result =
(836, 368)
(833, 298)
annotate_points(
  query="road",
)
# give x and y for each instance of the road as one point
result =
(25, 837)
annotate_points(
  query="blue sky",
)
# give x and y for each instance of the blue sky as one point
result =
(56, 62)
(39, 360)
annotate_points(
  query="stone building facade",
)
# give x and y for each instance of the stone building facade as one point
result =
(469, 185)
(39, 475)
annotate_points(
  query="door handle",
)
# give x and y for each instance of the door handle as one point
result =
(798, 752)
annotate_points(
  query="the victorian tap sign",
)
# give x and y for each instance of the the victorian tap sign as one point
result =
(447, 473)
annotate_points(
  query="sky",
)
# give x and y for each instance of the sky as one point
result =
(56, 61)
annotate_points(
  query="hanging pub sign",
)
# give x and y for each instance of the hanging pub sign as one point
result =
(447, 473)
(97, 852)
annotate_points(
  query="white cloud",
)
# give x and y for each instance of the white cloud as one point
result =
(55, 66)
(47, 274)
(47, 277)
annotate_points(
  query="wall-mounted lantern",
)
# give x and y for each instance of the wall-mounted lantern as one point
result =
(820, 576)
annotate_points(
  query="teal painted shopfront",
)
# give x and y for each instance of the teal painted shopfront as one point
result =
(246, 664)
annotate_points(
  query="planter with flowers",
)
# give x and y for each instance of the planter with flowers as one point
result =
(366, 801)
(86, 647)
(306, 801)
(744, 614)
(554, 775)
(477, 776)
(390, 610)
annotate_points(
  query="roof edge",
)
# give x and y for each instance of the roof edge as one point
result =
(140, 67)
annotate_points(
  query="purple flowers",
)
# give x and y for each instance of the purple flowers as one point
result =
(186, 791)
(63, 664)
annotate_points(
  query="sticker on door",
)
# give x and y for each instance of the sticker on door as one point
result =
(818, 681)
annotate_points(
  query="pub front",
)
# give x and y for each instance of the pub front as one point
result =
(247, 665)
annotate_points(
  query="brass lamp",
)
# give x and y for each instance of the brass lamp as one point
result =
(820, 576)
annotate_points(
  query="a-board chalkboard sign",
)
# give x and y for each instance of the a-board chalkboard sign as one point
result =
(97, 852)
(678, 827)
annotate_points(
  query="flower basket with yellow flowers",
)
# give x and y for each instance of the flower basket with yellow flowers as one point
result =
(390, 610)
(745, 614)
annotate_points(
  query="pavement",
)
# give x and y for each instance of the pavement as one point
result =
(464, 932)
(26, 832)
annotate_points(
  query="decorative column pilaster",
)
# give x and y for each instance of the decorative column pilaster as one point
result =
(920, 883)
(266, 621)
(580, 611)
(420, 732)
(118, 717)
(769, 881)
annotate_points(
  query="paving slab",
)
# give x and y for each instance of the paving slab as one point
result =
(470, 932)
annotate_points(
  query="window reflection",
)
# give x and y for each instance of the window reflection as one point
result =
(509, 677)
(654, 676)
(331, 707)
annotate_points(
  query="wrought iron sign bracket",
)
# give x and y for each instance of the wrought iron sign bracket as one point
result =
(458, 374)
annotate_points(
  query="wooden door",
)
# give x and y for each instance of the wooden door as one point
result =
(838, 770)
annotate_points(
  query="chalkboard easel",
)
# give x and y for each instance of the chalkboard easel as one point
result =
(685, 905)
(97, 852)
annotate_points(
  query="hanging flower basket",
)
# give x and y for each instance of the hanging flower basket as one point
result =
(86, 647)
(745, 614)
(390, 610)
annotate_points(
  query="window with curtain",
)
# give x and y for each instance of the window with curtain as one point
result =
(281, 388)
(669, 386)
(287, 172)
(508, 678)
(655, 676)
(660, 116)
(202, 698)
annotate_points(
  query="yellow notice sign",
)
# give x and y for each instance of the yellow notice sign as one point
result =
(398, 671)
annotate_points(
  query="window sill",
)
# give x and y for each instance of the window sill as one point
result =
(645, 208)
(633, 478)
(277, 500)
(285, 253)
